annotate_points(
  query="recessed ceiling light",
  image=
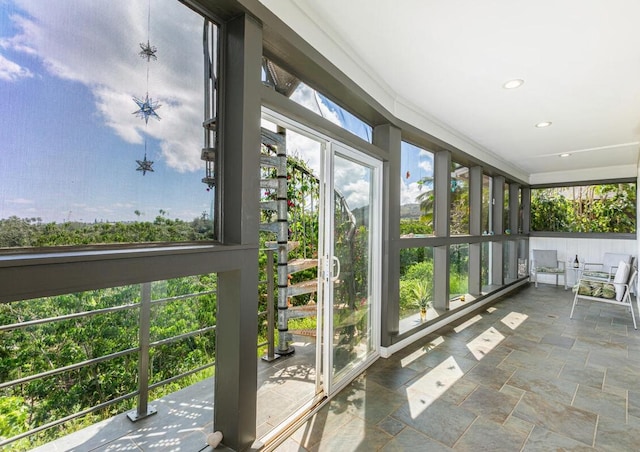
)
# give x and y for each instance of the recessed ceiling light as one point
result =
(511, 84)
(565, 155)
(542, 124)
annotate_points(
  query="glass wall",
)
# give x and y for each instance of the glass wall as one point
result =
(416, 191)
(459, 211)
(458, 271)
(301, 93)
(505, 209)
(590, 208)
(485, 266)
(71, 352)
(416, 286)
(487, 195)
(102, 146)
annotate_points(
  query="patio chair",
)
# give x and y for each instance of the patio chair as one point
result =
(606, 269)
(545, 262)
(617, 291)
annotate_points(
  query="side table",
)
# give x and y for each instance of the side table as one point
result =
(577, 273)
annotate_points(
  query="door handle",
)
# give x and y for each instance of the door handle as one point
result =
(336, 263)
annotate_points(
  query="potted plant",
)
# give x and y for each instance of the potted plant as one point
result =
(421, 292)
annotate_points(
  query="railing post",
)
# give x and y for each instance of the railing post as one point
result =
(271, 355)
(143, 410)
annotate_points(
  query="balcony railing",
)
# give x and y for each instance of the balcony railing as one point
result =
(47, 348)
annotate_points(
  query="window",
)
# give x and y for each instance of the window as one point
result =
(486, 204)
(301, 93)
(459, 212)
(458, 271)
(416, 280)
(416, 191)
(102, 135)
(590, 208)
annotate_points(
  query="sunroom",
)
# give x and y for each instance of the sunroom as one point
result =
(254, 201)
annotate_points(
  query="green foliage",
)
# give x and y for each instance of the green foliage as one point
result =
(31, 232)
(40, 348)
(420, 272)
(594, 208)
(421, 293)
(415, 227)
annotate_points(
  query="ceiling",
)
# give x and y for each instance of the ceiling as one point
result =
(441, 66)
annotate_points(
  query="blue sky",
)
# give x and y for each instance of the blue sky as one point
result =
(69, 141)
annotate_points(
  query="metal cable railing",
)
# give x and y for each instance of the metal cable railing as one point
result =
(143, 349)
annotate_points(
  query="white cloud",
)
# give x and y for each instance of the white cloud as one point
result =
(426, 166)
(97, 44)
(20, 201)
(11, 71)
(409, 192)
(308, 98)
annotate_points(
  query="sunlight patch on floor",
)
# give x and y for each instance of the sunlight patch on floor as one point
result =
(432, 385)
(485, 342)
(467, 324)
(514, 319)
(407, 360)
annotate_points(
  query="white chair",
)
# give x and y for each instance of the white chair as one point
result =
(616, 291)
(545, 262)
(606, 269)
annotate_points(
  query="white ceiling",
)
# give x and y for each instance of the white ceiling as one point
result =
(441, 64)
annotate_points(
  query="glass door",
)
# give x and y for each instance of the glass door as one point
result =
(334, 273)
(351, 264)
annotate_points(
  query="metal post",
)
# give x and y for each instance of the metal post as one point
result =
(270, 356)
(143, 410)
(283, 250)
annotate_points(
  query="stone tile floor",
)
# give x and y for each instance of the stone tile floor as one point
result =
(519, 376)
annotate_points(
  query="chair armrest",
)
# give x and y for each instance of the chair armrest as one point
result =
(592, 263)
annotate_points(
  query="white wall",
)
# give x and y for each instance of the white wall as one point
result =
(588, 250)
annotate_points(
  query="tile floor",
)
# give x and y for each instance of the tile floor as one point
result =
(520, 376)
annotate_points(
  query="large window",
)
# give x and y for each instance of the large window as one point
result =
(416, 287)
(459, 211)
(458, 271)
(590, 208)
(487, 195)
(416, 191)
(101, 124)
(301, 93)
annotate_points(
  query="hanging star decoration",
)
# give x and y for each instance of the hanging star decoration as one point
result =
(144, 165)
(148, 51)
(147, 108)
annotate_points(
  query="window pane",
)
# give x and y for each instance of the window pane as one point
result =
(486, 204)
(289, 85)
(76, 163)
(416, 286)
(485, 275)
(506, 213)
(459, 199)
(458, 271)
(509, 261)
(591, 208)
(416, 191)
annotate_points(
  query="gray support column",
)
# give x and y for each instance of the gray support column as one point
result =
(389, 138)
(237, 322)
(441, 225)
(514, 207)
(514, 220)
(497, 209)
(526, 210)
(526, 224)
(475, 228)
